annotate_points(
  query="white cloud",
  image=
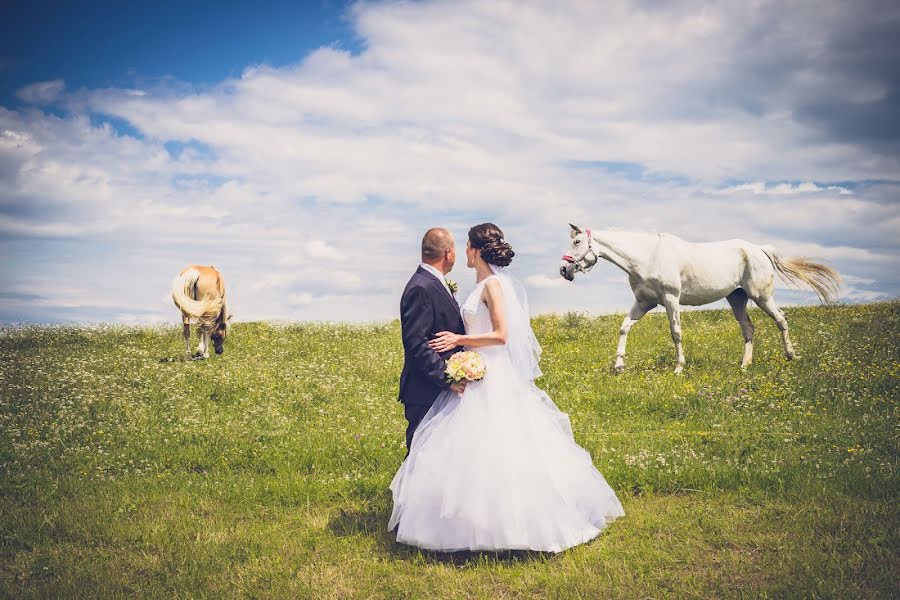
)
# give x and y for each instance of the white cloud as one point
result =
(43, 92)
(318, 277)
(299, 299)
(545, 281)
(311, 251)
(310, 185)
(780, 189)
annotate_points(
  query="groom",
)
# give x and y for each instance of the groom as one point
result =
(426, 308)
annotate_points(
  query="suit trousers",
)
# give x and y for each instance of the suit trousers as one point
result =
(414, 414)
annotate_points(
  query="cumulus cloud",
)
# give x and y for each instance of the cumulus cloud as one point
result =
(780, 189)
(545, 281)
(42, 92)
(310, 185)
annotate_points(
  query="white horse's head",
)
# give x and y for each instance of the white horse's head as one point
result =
(580, 256)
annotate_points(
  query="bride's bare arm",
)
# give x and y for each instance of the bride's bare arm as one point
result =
(493, 297)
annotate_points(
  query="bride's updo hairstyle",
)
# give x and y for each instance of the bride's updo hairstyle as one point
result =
(488, 239)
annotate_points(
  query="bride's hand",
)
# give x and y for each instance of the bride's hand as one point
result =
(443, 341)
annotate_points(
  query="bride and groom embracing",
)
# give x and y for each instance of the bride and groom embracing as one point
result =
(491, 464)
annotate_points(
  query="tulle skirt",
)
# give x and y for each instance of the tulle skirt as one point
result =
(498, 469)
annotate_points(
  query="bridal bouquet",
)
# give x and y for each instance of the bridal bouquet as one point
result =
(466, 366)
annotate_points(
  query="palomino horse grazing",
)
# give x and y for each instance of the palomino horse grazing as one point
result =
(200, 294)
(663, 269)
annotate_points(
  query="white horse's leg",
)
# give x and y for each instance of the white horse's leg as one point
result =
(769, 307)
(638, 310)
(673, 310)
(738, 301)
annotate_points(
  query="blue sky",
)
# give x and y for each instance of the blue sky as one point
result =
(303, 148)
(114, 44)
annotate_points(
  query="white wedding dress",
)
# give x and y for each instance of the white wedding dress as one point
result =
(497, 468)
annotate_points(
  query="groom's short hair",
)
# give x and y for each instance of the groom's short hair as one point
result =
(437, 240)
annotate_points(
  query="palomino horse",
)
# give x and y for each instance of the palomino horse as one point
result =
(663, 269)
(200, 294)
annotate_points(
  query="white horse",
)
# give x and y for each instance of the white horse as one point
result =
(199, 292)
(663, 269)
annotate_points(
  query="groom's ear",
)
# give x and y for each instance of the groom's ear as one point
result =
(575, 229)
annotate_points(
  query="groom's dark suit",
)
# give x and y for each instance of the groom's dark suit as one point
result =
(426, 308)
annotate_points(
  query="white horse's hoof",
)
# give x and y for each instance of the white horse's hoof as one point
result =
(679, 370)
(619, 369)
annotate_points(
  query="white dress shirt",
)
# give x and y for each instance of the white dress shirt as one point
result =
(437, 274)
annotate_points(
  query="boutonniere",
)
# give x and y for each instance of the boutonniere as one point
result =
(452, 285)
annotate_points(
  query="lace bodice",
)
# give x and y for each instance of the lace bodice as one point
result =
(475, 312)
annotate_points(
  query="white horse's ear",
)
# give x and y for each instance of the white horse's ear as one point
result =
(575, 229)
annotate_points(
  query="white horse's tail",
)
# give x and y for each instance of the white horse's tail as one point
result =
(796, 270)
(205, 310)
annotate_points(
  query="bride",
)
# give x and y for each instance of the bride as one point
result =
(496, 467)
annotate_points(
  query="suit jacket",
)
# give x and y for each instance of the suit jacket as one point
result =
(426, 308)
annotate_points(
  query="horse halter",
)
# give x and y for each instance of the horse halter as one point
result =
(578, 264)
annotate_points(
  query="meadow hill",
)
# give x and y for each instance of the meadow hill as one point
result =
(263, 472)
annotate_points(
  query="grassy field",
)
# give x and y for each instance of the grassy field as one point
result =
(263, 472)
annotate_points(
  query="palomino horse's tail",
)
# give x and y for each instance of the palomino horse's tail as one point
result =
(796, 270)
(205, 310)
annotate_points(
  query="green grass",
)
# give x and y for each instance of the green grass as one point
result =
(263, 472)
